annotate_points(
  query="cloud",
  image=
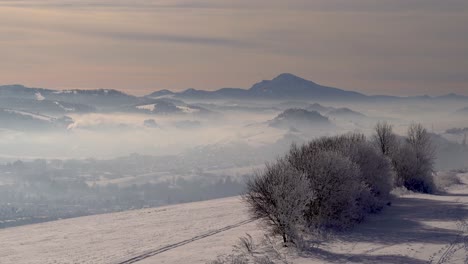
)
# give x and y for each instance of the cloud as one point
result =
(208, 44)
(319, 6)
(173, 38)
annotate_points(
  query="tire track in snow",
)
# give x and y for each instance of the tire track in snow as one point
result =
(160, 250)
(461, 242)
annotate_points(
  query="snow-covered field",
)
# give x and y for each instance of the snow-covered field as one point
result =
(415, 229)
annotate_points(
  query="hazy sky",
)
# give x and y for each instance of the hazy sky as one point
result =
(402, 47)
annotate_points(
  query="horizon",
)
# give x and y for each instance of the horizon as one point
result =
(401, 47)
(230, 87)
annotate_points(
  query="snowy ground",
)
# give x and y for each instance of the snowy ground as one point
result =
(415, 229)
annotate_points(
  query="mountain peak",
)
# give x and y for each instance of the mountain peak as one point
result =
(287, 86)
(284, 80)
(159, 93)
(289, 77)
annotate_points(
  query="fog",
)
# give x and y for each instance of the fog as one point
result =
(113, 135)
(107, 161)
(110, 135)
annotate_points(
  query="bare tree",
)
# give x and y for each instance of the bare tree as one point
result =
(384, 138)
(414, 161)
(419, 138)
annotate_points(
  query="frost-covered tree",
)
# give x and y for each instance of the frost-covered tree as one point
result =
(334, 180)
(404, 164)
(279, 195)
(331, 182)
(375, 170)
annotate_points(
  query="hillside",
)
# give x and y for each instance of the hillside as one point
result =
(417, 228)
(300, 119)
(24, 120)
(85, 99)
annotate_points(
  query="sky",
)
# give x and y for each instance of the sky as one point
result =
(395, 47)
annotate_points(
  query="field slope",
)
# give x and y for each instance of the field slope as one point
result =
(415, 229)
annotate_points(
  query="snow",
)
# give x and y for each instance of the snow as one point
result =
(113, 238)
(162, 96)
(152, 107)
(187, 109)
(64, 108)
(36, 116)
(149, 107)
(416, 228)
(39, 97)
(65, 92)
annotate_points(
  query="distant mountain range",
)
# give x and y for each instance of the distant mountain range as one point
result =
(102, 97)
(282, 88)
(62, 102)
(25, 108)
(287, 86)
(58, 102)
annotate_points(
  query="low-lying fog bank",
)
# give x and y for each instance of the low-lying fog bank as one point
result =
(113, 161)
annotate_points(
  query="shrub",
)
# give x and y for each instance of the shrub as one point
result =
(246, 244)
(279, 196)
(331, 182)
(375, 170)
(231, 259)
(334, 180)
(266, 253)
